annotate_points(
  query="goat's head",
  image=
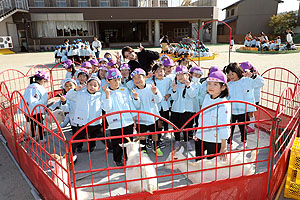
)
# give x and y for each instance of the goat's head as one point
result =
(132, 146)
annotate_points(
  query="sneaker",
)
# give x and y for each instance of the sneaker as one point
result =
(228, 147)
(159, 152)
(119, 164)
(79, 149)
(177, 145)
(250, 130)
(241, 146)
(149, 143)
(145, 152)
(161, 144)
(190, 145)
(92, 149)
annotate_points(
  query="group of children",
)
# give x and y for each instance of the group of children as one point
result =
(191, 49)
(78, 51)
(174, 92)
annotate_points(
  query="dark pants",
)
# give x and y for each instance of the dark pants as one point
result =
(117, 150)
(201, 146)
(179, 120)
(93, 132)
(145, 128)
(97, 53)
(242, 127)
(33, 124)
(165, 114)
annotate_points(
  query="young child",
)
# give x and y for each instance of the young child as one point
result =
(76, 53)
(87, 108)
(231, 43)
(116, 98)
(95, 66)
(88, 66)
(242, 89)
(182, 108)
(70, 67)
(70, 52)
(103, 61)
(112, 64)
(163, 84)
(102, 74)
(196, 73)
(125, 72)
(82, 54)
(146, 97)
(82, 76)
(36, 94)
(247, 66)
(214, 139)
(169, 67)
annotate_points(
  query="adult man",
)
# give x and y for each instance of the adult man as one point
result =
(96, 46)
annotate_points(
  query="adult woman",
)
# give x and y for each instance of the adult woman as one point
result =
(165, 44)
(143, 59)
(96, 45)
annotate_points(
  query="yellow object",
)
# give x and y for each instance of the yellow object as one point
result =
(6, 51)
(292, 186)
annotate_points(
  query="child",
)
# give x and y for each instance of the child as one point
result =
(95, 66)
(82, 76)
(182, 108)
(163, 84)
(70, 52)
(112, 64)
(196, 74)
(241, 89)
(247, 66)
(88, 66)
(102, 74)
(214, 139)
(146, 97)
(70, 67)
(103, 61)
(231, 43)
(82, 54)
(76, 54)
(87, 108)
(169, 67)
(36, 94)
(125, 72)
(117, 98)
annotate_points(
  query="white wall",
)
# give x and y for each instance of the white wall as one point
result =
(8, 28)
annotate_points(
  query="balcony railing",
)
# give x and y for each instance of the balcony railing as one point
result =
(7, 6)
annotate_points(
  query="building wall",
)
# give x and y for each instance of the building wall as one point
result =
(254, 16)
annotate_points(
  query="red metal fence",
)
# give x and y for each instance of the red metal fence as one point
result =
(94, 175)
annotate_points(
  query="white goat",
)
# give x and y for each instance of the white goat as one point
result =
(210, 175)
(59, 116)
(133, 154)
(61, 176)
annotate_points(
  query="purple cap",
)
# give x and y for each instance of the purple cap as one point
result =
(168, 62)
(103, 67)
(217, 76)
(124, 66)
(68, 80)
(214, 69)
(113, 74)
(94, 78)
(196, 70)
(181, 69)
(164, 56)
(112, 62)
(246, 65)
(94, 62)
(86, 65)
(41, 74)
(67, 63)
(83, 70)
(137, 71)
(103, 59)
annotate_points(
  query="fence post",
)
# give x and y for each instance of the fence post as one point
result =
(14, 129)
(69, 163)
(274, 130)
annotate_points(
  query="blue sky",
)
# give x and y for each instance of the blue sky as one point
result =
(288, 5)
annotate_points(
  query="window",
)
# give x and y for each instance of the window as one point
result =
(124, 3)
(82, 3)
(181, 32)
(20, 4)
(232, 12)
(61, 3)
(39, 3)
(104, 3)
(163, 3)
(227, 15)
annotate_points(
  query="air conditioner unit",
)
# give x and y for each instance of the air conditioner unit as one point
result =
(6, 42)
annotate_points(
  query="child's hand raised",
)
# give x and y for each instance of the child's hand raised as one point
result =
(63, 98)
(140, 47)
(248, 74)
(174, 86)
(106, 90)
(187, 83)
(153, 88)
(79, 87)
(135, 94)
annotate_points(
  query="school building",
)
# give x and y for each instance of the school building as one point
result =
(42, 24)
(247, 15)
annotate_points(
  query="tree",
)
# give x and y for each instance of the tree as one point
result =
(280, 23)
